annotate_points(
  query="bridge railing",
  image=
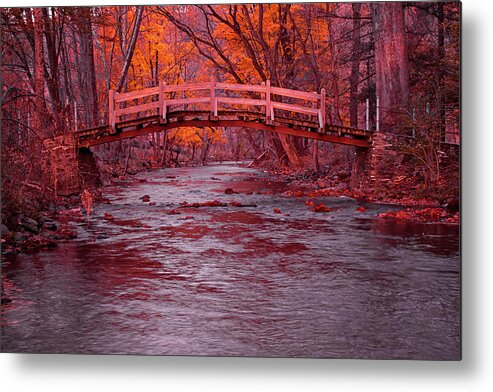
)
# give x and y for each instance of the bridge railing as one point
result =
(267, 99)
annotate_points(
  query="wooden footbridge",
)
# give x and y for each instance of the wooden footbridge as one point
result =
(214, 104)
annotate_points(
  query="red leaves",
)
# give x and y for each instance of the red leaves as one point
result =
(453, 219)
(145, 198)
(294, 193)
(361, 209)
(229, 191)
(321, 208)
(425, 215)
(331, 192)
(310, 203)
(108, 216)
(213, 203)
(277, 211)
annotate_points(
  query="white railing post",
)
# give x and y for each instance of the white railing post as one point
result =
(162, 102)
(213, 98)
(322, 109)
(269, 111)
(378, 114)
(367, 122)
(111, 110)
(263, 109)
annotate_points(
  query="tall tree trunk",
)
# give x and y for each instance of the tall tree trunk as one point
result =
(53, 77)
(354, 78)
(391, 63)
(291, 152)
(440, 70)
(40, 112)
(87, 69)
(129, 51)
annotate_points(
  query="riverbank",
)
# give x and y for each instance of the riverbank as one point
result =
(418, 208)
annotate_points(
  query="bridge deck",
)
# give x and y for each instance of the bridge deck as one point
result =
(265, 108)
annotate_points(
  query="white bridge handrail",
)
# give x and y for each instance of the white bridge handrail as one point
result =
(315, 102)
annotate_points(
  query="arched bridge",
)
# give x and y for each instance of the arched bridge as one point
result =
(213, 104)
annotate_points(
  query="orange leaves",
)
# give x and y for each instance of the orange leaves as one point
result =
(190, 136)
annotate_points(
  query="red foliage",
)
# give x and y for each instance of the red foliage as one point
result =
(294, 193)
(277, 211)
(321, 208)
(213, 203)
(361, 209)
(330, 192)
(425, 215)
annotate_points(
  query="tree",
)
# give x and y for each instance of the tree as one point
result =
(87, 71)
(39, 87)
(391, 63)
(128, 51)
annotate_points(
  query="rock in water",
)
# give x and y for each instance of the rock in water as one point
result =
(30, 225)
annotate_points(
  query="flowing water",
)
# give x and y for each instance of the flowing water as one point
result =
(237, 280)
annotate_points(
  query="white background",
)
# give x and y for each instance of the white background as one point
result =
(473, 373)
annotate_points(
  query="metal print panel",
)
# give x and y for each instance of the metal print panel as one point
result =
(268, 180)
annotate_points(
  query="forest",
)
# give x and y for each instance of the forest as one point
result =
(400, 59)
(266, 180)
